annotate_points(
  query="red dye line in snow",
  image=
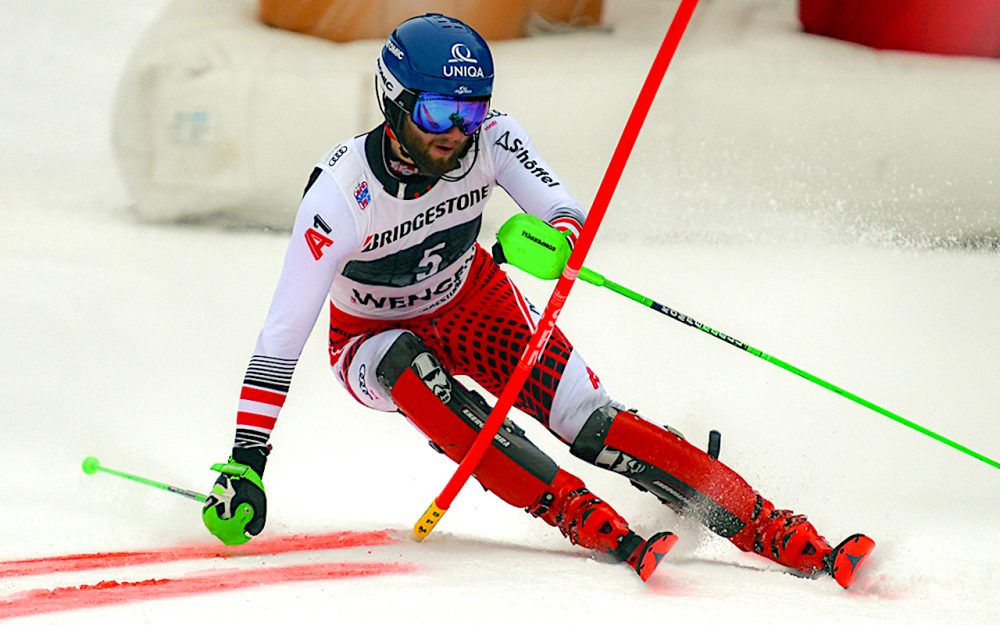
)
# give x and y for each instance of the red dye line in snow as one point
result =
(260, 546)
(35, 602)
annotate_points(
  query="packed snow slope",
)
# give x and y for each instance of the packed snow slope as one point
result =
(128, 341)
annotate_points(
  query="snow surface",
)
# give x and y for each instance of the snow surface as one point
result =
(128, 341)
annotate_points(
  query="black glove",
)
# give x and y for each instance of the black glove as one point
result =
(236, 508)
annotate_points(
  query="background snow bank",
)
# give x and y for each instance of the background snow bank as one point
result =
(759, 126)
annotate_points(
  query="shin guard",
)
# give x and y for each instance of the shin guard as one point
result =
(514, 469)
(694, 483)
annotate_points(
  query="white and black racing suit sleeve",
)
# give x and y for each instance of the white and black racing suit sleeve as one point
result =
(325, 233)
(527, 178)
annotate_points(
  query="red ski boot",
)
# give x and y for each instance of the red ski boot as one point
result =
(791, 540)
(590, 522)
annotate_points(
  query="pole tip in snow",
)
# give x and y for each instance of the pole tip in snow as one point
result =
(426, 524)
(91, 465)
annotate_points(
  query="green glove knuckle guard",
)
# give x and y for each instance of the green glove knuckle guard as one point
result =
(237, 505)
(534, 246)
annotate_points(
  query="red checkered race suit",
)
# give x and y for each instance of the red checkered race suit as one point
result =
(481, 334)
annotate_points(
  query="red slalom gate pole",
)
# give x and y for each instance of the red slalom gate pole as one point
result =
(547, 322)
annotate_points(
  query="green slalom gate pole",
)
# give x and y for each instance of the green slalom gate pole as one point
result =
(92, 465)
(598, 280)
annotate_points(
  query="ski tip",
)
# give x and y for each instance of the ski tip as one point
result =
(847, 558)
(654, 549)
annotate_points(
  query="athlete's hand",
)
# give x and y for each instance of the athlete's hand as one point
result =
(533, 246)
(236, 508)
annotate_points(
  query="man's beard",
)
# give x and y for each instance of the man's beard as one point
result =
(420, 154)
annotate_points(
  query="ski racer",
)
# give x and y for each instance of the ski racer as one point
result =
(387, 232)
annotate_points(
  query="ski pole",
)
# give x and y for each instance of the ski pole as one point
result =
(534, 246)
(597, 279)
(92, 465)
(423, 527)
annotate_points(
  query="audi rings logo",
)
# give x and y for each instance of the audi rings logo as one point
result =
(342, 150)
(460, 53)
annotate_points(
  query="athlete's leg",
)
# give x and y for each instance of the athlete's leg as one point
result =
(393, 370)
(690, 481)
(355, 365)
(513, 468)
(487, 334)
(483, 336)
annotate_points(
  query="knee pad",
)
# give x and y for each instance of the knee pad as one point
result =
(407, 352)
(451, 416)
(659, 460)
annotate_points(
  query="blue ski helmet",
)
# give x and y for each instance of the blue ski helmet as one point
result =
(433, 53)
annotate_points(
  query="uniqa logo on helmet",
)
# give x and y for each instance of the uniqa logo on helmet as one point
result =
(460, 53)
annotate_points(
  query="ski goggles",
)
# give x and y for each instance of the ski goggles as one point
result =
(436, 113)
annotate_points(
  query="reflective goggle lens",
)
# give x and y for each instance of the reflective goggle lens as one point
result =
(437, 113)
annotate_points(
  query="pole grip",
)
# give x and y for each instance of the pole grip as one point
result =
(591, 277)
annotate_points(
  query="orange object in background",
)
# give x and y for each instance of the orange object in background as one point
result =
(571, 12)
(348, 20)
(963, 27)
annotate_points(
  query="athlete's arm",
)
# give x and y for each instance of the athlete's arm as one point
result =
(324, 234)
(525, 175)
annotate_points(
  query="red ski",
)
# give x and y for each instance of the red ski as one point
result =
(648, 557)
(848, 557)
